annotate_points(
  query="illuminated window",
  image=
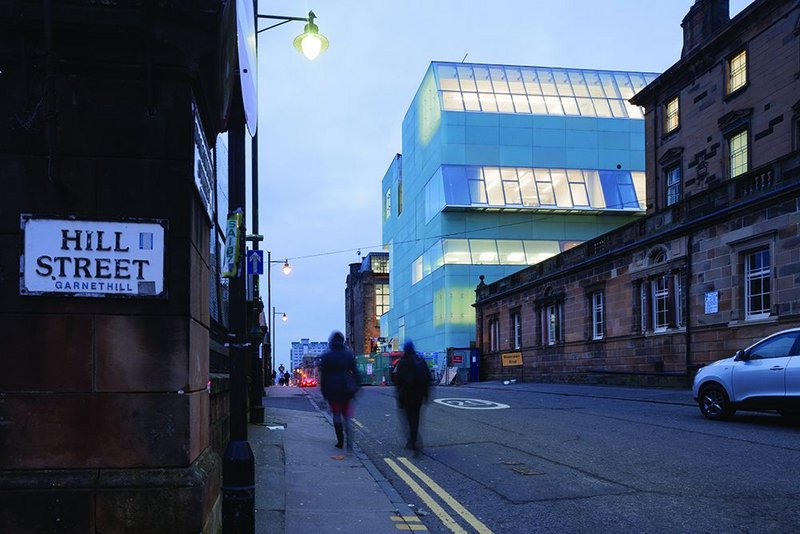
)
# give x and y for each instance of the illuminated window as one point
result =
(598, 322)
(757, 293)
(738, 153)
(379, 263)
(381, 299)
(671, 118)
(673, 185)
(737, 71)
(539, 90)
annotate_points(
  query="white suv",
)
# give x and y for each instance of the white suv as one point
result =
(764, 376)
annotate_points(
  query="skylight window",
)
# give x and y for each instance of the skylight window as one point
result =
(539, 90)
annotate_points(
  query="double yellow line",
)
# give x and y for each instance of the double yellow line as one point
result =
(437, 509)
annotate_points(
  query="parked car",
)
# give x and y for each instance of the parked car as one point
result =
(764, 376)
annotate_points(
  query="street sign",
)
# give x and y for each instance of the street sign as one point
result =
(93, 258)
(511, 359)
(255, 262)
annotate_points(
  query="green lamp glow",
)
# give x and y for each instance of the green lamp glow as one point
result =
(311, 43)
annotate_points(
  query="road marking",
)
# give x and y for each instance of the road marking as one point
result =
(446, 497)
(408, 522)
(443, 516)
(358, 423)
(472, 404)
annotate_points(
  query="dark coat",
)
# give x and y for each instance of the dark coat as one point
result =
(412, 379)
(335, 365)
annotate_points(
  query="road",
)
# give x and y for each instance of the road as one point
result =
(571, 458)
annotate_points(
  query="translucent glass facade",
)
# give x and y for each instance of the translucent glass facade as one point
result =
(502, 167)
(539, 90)
(534, 188)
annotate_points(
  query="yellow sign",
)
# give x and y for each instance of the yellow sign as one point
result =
(512, 358)
(232, 229)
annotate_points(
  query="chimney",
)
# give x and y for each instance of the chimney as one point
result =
(705, 18)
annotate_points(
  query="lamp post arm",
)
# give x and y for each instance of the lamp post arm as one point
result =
(278, 17)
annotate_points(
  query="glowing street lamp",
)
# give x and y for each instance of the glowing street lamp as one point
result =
(310, 43)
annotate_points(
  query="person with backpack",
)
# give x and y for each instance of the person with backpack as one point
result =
(339, 382)
(412, 379)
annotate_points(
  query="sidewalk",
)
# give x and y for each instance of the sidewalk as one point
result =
(301, 489)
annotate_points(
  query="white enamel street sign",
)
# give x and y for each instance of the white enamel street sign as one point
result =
(92, 258)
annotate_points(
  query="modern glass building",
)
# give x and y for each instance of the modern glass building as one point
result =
(502, 167)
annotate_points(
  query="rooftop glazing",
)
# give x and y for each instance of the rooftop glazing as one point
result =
(539, 90)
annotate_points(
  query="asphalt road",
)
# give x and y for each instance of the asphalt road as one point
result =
(585, 459)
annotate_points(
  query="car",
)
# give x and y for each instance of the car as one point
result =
(764, 376)
(308, 382)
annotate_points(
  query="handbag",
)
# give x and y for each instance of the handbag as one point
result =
(351, 384)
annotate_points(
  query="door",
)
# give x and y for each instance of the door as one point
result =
(763, 374)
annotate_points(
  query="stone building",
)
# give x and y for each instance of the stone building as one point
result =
(366, 298)
(714, 264)
(110, 112)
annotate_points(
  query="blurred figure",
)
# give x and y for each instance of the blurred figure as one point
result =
(412, 379)
(339, 384)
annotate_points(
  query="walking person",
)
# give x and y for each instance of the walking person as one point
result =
(412, 379)
(339, 384)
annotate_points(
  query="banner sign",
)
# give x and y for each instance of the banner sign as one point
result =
(511, 359)
(232, 229)
(83, 258)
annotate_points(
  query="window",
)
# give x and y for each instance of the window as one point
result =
(777, 347)
(400, 196)
(553, 324)
(552, 318)
(660, 301)
(379, 263)
(737, 151)
(757, 295)
(516, 330)
(387, 205)
(737, 71)
(673, 185)
(661, 298)
(597, 315)
(671, 118)
(416, 271)
(494, 334)
(381, 300)
(401, 332)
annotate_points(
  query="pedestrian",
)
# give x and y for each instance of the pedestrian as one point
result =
(412, 379)
(274, 374)
(339, 383)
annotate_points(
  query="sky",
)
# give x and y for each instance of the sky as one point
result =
(328, 129)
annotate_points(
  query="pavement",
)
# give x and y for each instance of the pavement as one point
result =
(302, 488)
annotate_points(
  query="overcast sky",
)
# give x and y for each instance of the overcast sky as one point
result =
(328, 129)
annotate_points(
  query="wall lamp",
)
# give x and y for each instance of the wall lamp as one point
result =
(310, 43)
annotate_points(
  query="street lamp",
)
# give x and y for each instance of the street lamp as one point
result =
(238, 465)
(310, 43)
(270, 323)
(284, 318)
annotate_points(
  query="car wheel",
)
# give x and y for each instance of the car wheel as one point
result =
(714, 403)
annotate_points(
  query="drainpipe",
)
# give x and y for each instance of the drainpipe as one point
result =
(688, 307)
